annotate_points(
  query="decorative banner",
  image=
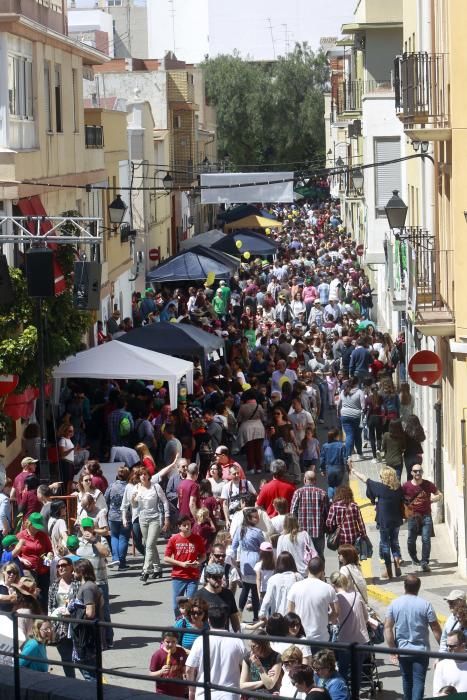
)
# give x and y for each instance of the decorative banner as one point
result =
(246, 188)
(210, 279)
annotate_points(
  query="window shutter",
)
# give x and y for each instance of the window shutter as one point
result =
(387, 177)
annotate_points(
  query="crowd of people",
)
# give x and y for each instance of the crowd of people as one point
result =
(230, 479)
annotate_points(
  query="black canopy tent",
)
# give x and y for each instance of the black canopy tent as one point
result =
(188, 267)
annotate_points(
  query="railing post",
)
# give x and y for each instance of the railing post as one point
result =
(98, 642)
(16, 656)
(354, 672)
(206, 665)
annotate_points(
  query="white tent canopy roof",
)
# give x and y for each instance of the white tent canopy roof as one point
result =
(116, 360)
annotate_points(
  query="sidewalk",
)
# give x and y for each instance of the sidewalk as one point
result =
(435, 585)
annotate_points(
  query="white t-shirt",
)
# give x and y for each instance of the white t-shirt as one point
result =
(297, 549)
(300, 421)
(264, 575)
(67, 445)
(450, 672)
(226, 656)
(278, 523)
(57, 533)
(312, 598)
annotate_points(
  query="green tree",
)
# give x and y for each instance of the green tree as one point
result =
(64, 328)
(269, 112)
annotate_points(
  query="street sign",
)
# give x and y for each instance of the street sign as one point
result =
(154, 254)
(425, 367)
(8, 383)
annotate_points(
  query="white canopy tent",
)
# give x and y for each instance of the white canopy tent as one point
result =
(116, 360)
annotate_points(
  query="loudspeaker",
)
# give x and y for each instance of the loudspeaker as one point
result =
(87, 285)
(6, 288)
(40, 272)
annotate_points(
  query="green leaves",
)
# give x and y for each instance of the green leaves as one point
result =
(269, 112)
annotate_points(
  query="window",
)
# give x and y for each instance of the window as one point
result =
(387, 177)
(58, 97)
(177, 121)
(20, 96)
(74, 78)
(47, 97)
(114, 3)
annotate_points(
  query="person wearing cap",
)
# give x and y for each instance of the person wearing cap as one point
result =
(217, 595)
(456, 601)
(8, 544)
(28, 466)
(451, 672)
(72, 545)
(316, 315)
(33, 547)
(225, 460)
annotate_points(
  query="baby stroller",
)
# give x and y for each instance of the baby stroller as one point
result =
(370, 680)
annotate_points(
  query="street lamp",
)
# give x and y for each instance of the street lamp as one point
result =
(396, 211)
(167, 181)
(117, 211)
(340, 163)
(357, 178)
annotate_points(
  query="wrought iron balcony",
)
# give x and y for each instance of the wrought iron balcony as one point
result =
(421, 85)
(348, 94)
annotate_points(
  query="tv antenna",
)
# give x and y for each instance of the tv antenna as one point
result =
(272, 37)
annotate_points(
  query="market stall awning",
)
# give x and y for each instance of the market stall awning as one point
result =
(253, 221)
(179, 339)
(213, 238)
(188, 267)
(117, 360)
(218, 255)
(255, 243)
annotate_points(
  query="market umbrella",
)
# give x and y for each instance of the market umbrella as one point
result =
(239, 212)
(177, 339)
(215, 254)
(253, 221)
(188, 267)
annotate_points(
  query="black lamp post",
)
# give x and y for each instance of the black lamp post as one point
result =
(357, 178)
(117, 211)
(396, 211)
(167, 181)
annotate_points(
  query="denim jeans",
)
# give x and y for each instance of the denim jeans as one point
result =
(353, 434)
(335, 477)
(150, 531)
(119, 537)
(389, 543)
(181, 586)
(413, 670)
(108, 632)
(375, 432)
(137, 536)
(343, 661)
(318, 544)
(65, 649)
(413, 526)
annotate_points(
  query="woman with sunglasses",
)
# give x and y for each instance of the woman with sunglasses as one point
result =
(85, 486)
(61, 592)
(10, 575)
(196, 617)
(262, 668)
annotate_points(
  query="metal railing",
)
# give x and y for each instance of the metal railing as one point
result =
(430, 273)
(421, 86)
(208, 684)
(94, 136)
(349, 94)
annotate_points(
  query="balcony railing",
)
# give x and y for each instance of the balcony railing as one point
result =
(93, 136)
(349, 94)
(421, 85)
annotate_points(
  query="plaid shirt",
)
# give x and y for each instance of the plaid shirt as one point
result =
(350, 520)
(310, 506)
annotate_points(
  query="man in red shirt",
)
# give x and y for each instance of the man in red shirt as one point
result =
(223, 458)
(189, 501)
(185, 553)
(28, 465)
(169, 662)
(419, 494)
(279, 487)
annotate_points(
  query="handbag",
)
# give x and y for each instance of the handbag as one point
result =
(333, 538)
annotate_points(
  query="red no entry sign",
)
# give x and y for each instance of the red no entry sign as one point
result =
(425, 367)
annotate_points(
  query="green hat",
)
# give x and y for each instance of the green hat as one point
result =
(87, 522)
(37, 521)
(9, 541)
(72, 542)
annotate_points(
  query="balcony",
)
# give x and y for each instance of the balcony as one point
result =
(430, 287)
(421, 84)
(94, 136)
(348, 95)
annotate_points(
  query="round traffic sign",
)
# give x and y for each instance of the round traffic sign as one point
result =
(425, 367)
(8, 383)
(154, 254)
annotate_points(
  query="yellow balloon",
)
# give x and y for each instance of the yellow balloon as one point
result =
(246, 255)
(238, 244)
(267, 231)
(246, 386)
(289, 216)
(158, 384)
(283, 380)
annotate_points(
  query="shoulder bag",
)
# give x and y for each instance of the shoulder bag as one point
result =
(333, 538)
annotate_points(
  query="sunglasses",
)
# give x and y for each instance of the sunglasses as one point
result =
(63, 566)
(11, 573)
(86, 480)
(416, 471)
(451, 647)
(219, 556)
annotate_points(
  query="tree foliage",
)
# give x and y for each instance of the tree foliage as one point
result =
(64, 327)
(269, 112)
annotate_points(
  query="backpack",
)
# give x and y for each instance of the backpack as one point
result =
(124, 427)
(234, 501)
